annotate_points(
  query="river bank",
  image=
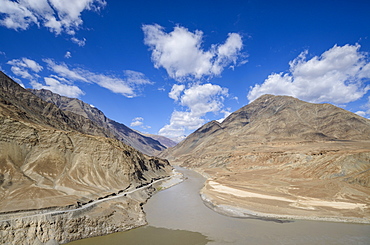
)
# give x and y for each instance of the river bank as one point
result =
(236, 202)
(238, 212)
(182, 207)
(179, 214)
(227, 204)
(115, 213)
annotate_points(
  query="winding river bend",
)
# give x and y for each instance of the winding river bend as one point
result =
(178, 216)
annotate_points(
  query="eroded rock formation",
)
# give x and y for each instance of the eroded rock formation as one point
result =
(52, 159)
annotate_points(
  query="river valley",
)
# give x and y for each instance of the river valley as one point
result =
(178, 216)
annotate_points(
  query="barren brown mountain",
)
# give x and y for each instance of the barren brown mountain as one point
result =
(282, 157)
(145, 144)
(53, 160)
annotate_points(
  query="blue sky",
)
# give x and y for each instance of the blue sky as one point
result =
(168, 67)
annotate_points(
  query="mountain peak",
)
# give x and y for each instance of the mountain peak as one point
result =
(273, 118)
(280, 146)
(283, 117)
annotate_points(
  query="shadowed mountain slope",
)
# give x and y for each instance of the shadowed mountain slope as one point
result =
(163, 140)
(51, 157)
(145, 144)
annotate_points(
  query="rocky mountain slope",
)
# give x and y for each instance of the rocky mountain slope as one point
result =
(54, 159)
(279, 146)
(145, 144)
(163, 140)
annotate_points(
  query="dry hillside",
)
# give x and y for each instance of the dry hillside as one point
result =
(52, 159)
(280, 155)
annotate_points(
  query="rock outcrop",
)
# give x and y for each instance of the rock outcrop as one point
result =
(117, 215)
(280, 146)
(53, 159)
(146, 144)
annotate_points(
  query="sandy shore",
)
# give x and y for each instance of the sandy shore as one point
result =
(176, 178)
(305, 202)
(247, 204)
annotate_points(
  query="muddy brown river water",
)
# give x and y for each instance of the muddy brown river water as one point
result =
(178, 216)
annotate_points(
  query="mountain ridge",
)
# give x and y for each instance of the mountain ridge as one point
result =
(26, 122)
(44, 112)
(145, 144)
(54, 160)
(305, 127)
(167, 142)
(282, 148)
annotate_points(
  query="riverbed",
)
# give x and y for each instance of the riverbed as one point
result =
(178, 216)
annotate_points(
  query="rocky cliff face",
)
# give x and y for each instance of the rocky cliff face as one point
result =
(52, 159)
(145, 144)
(283, 146)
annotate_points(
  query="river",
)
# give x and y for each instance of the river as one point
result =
(178, 216)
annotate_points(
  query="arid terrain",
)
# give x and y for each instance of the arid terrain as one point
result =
(54, 160)
(277, 157)
(282, 157)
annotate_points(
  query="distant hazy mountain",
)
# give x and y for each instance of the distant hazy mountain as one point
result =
(145, 144)
(163, 140)
(282, 148)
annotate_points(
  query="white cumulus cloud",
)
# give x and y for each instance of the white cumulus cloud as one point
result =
(180, 52)
(338, 76)
(63, 70)
(114, 84)
(366, 109)
(68, 55)
(128, 86)
(17, 16)
(56, 85)
(56, 15)
(197, 101)
(26, 63)
(226, 113)
(361, 113)
(136, 78)
(176, 91)
(63, 77)
(24, 67)
(79, 42)
(137, 121)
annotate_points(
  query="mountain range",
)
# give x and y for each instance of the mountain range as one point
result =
(275, 157)
(280, 147)
(146, 144)
(53, 159)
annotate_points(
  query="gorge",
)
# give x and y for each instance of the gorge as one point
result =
(67, 172)
(178, 216)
